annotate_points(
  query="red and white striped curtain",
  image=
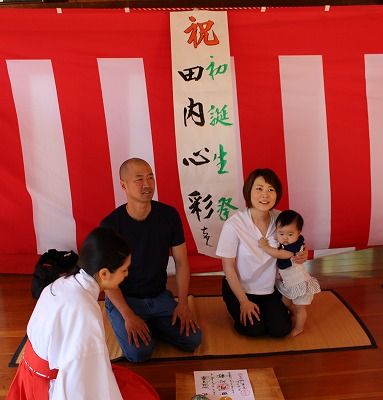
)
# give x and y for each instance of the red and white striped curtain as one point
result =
(83, 90)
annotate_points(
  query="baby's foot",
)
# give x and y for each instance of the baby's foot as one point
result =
(295, 332)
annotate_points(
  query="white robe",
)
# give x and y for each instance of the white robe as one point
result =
(66, 328)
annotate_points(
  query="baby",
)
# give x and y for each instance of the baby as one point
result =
(295, 284)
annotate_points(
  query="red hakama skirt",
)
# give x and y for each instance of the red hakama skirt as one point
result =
(33, 376)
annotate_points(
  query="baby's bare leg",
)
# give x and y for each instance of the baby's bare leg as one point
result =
(300, 317)
(288, 303)
(290, 306)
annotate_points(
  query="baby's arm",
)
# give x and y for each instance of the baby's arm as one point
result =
(272, 251)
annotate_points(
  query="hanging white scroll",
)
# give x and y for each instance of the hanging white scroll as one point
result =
(208, 153)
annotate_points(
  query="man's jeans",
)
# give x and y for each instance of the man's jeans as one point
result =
(157, 312)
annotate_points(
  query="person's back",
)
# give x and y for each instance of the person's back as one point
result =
(64, 314)
(65, 355)
(66, 329)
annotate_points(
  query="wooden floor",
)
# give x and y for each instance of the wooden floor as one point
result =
(357, 374)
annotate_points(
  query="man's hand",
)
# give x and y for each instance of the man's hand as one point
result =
(137, 329)
(187, 322)
(249, 310)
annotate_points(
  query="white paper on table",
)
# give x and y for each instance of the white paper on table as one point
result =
(234, 383)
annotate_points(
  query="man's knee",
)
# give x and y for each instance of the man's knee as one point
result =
(138, 354)
(131, 352)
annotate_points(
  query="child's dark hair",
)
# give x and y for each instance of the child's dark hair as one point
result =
(269, 176)
(102, 248)
(287, 217)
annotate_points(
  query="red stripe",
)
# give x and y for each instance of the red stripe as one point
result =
(14, 263)
(259, 98)
(349, 151)
(17, 231)
(86, 143)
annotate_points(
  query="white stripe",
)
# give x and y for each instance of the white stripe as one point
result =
(44, 156)
(305, 132)
(374, 88)
(126, 108)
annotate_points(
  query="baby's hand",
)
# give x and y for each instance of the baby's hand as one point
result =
(263, 242)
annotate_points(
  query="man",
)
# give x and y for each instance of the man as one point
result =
(141, 309)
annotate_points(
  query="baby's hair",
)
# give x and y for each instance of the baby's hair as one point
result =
(287, 217)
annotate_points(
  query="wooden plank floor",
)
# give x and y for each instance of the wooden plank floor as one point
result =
(357, 374)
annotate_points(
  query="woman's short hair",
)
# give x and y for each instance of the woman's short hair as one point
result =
(102, 248)
(269, 176)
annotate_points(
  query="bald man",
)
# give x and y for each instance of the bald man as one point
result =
(141, 310)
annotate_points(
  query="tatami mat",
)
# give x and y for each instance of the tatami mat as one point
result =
(331, 325)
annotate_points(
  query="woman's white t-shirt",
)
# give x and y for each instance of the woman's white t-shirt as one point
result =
(239, 239)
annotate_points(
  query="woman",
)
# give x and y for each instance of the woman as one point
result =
(66, 355)
(248, 285)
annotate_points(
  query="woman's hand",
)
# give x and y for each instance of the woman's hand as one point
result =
(301, 256)
(249, 311)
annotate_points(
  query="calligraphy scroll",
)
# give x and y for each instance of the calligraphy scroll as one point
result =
(208, 154)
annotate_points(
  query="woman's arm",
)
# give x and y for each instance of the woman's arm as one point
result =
(232, 278)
